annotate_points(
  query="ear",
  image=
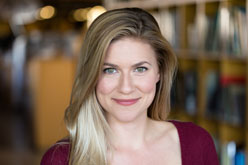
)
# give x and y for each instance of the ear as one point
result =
(158, 77)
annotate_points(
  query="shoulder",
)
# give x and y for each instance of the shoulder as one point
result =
(164, 130)
(57, 154)
(191, 132)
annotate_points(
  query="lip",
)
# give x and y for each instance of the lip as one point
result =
(126, 102)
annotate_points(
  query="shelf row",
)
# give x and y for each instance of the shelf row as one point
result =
(211, 26)
(211, 88)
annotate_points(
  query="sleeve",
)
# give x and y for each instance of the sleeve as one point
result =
(210, 156)
(58, 154)
(197, 146)
(204, 147)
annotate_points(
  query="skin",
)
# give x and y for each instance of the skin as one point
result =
(125, 90)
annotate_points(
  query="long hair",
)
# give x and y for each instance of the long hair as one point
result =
(85, 120)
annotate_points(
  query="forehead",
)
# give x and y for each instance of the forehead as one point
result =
(130, 50)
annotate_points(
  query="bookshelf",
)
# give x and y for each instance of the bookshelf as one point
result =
(210, 38)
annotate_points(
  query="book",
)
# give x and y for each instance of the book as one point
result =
(226, 31)
(240, 17)
(213, 93)
(232, 154)
(190, 81)
(233, 100)
(184, 91)
(169, 22)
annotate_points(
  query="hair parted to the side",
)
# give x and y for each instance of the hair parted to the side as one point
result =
(84, 118)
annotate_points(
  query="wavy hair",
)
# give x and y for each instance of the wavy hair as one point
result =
(85, 120)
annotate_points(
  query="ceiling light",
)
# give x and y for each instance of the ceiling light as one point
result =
(80, 14)
(47, 12)
(94, 13)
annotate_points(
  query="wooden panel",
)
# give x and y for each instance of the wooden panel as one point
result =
(180, 114)
(234, 68)
(210, 125)
(51, 82)
(231, 133)
(187, 64)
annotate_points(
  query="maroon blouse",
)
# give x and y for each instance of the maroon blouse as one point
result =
(197, 147)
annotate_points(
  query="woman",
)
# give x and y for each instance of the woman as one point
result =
(121, 99)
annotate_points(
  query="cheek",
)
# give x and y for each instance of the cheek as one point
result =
(148, 84)
(104, 86)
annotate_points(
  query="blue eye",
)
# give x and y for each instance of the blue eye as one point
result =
(109, 70)
(141, 69)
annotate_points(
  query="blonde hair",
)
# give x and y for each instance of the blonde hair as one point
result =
(84, 118)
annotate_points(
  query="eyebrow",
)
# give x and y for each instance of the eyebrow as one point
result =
(109, 64)
(135, 65)
(141, 63)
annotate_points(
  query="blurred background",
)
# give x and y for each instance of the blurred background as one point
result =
(40, 41)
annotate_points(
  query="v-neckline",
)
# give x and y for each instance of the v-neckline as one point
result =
(175, 123)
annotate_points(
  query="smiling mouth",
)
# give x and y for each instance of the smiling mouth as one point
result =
(126, 102)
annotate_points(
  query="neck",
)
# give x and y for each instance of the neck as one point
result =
(131, 135)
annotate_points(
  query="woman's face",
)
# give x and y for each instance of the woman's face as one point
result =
(127, 85)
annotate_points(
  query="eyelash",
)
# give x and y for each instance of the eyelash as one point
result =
(143, 69)
(106, 70)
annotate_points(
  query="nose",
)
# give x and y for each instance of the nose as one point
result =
(126, 85)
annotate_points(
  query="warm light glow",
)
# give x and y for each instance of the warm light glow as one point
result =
(47, 12)
(80, 14)
(94, 13)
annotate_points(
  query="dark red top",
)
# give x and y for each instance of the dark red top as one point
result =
(197, 147)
